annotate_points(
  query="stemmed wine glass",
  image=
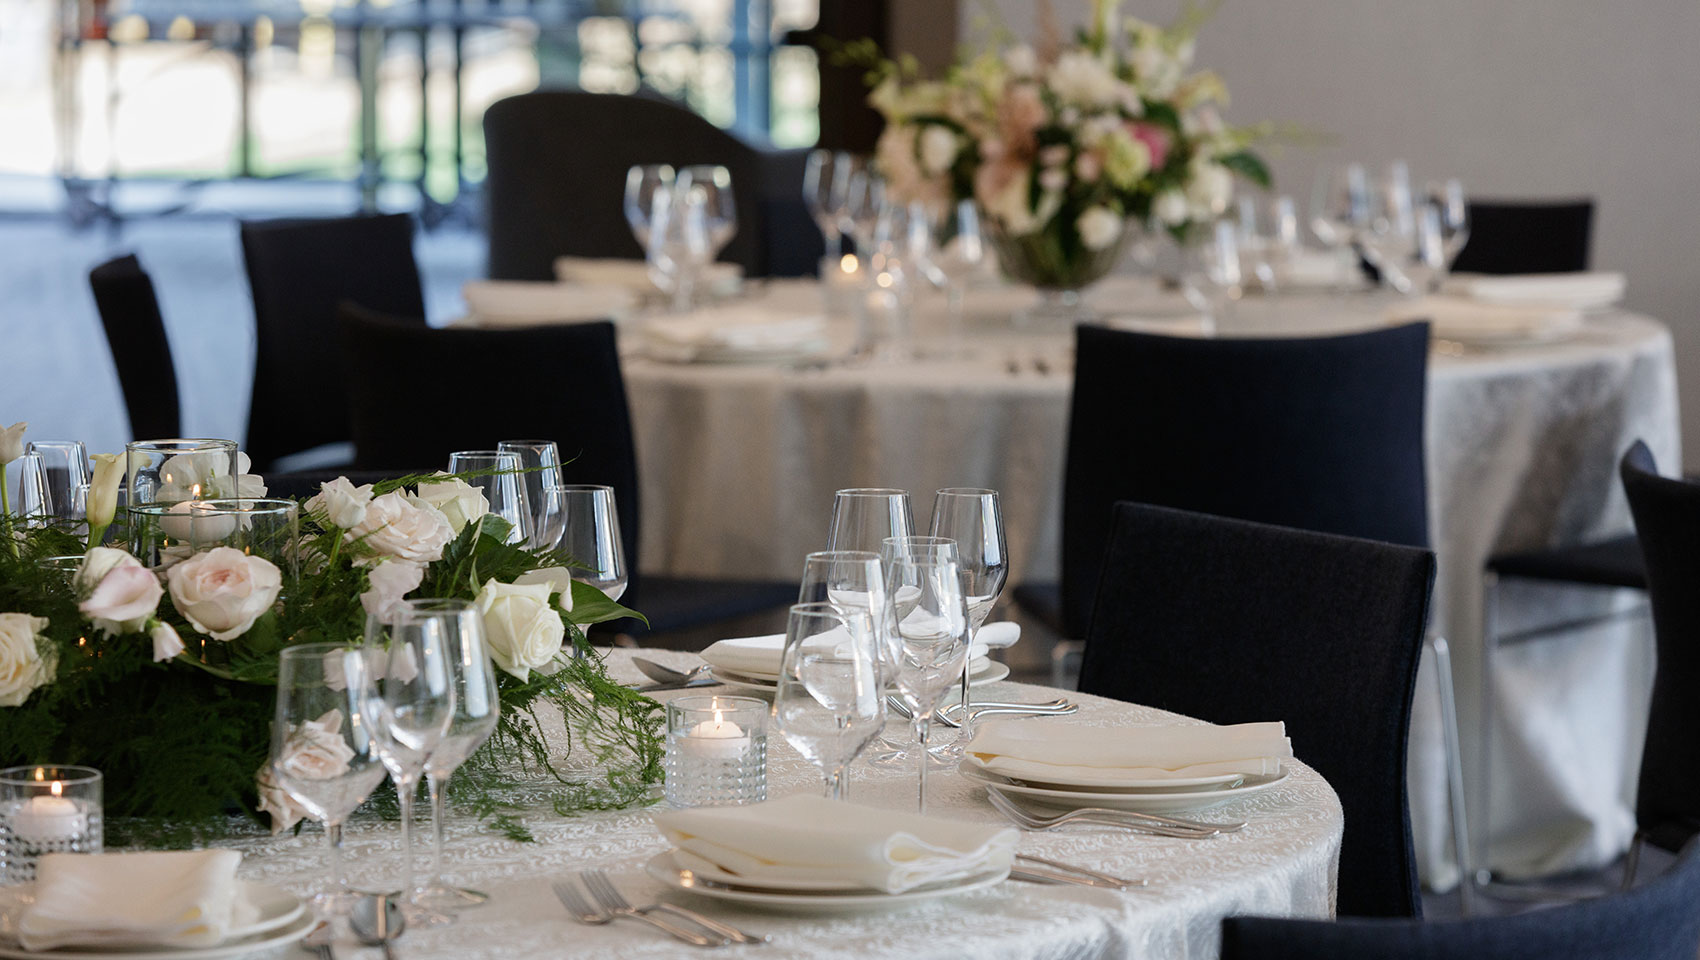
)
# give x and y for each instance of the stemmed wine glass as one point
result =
(541, 462)
(864, 199)
(1454, 214)
(1339, 209)
(477, 708)
(408, 702)
(828, 702)
(501, 486)
(863, 519)
(1389, 237)
(322, 754)
(926, 637)
(1211, 276)
(591, 537)
(679, 240)
(712, 186)
(957, 250)
(1268, 238)
(826, 185)
(643, 182)
(973, 518)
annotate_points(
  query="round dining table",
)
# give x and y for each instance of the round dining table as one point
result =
(1282, 863)
(738, 464)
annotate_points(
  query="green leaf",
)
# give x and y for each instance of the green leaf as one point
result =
(1248, 165)
(591, 605)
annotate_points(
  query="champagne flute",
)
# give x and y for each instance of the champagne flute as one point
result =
(828, 703)
(541, 461)
(477, 708)
(408, 702)
(317, 717)
(642, 183)
(591, 537)
(501, 486)
(928, 644)
(973, 518)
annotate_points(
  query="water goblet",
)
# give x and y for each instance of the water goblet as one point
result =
(973, 518)
(642, 183)
(541, 461)
(501, 484)
(926, 638)
(591, 537)
(828, 703)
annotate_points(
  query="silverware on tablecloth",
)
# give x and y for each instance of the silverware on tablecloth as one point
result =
(666, 678)
(377, 921)
(1142, 822)
(1107, 879)
(584, 913)
(978, 710)
(610, 897)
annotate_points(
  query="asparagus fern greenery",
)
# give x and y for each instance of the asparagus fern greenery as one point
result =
(180, 739)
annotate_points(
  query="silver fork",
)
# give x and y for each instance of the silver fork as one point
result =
(582, 911)
(1233, 827)
(1099, 815)
(610, 897)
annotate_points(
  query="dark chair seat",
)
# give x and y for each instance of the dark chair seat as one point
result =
(141, 350)
(678, 603)
(1527, 237)
(1605, 563)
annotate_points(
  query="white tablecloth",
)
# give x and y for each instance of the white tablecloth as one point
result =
(739, 464)
(1282, 864)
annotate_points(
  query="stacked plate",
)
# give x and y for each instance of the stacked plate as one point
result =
(280, 918)
(812, 896)
(1144, 796)
(981, 670)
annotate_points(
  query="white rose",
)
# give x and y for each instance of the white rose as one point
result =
(22, 668)
(166, 642)
(119, 594)
(12, 442)
(1098, 228)
(223, 591)
(459, 502)
(390, 580)
(393, 527)
(276, 801)
(559, 579)
(1021, 61)
(523, 631)
(1170, 207)
(1052, 179)
(342, 503)
(1211, 188)
(1080, 78)
(377, 663)
(938, 148)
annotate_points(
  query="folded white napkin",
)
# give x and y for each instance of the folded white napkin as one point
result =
(721, 279)
(805, 837)
(1042, 749)
(1459, 318)
(1318, 269)
(1578, 291)
(502, 303)
(760, 657)
(715, 332)
(168, 899)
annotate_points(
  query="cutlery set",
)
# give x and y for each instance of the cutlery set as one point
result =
(612, 905)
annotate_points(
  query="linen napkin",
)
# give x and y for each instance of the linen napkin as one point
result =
(183, 898)
(1459, 318)
(760, 657)
(805, 837)
(732, 333)
(1578, 291)
(1040, 748)
(510, 303)
(720, 279)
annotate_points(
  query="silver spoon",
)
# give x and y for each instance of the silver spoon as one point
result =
(377, 920)
(667, 676)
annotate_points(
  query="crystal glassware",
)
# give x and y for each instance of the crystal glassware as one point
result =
(973, 518)
(1389, 238)
(679, 241)
(541, 461)
(863, 518)
(642, 184)
(161, 477)
(66, 467)
(47, 809)
(711, 185)
(716, 751)
(270, 529)
(1339, 211)
(828, 703)
(1211, 275)
(322, 754)
(926, 638)
(591, 537)
(30, 498)
(956, 252)
(1454, 216)
(501, 484)
(826, 181)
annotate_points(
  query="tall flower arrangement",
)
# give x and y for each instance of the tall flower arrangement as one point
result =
(1063, 146)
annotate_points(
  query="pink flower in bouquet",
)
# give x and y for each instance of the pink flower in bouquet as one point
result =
(1156, 140)
(121, 593)
(223, 591)
(1020, 115)
(896, 152)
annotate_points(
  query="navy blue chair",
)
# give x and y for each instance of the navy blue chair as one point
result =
(1660, 921)
(299, 271)
(141, 350)
(1231, 621)
(1527, 237)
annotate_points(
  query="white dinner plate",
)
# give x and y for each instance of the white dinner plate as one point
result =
(991, 672)
(1138, 801)
(666, 871)
(284, 919)
(1164, 785)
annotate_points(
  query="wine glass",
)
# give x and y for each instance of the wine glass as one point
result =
(1211, 277)
(864, 199)
(826, 180)
(501, 485)
(712, 186)
(322, 754)
(957, 251)
(1454, 210)
(926, 637)
(1268, 238)
(1339, 209)
(541, 462)
(66, 467)
(828, 703)
(408, 701)
(1389, 237)
(477, 708)
(972, 517)
(591, 537)
(863, 518)
(679, 241)
(642, 183)
(1426, 268)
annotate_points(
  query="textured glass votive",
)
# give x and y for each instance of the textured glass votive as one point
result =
(46, 809)
(716, 751)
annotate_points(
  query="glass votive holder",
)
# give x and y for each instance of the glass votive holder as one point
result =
(161, 478)
(716, 751)
(269, 529)
(43, 810)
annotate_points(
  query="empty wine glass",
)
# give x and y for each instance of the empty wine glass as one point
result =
(957, 251)
(826, 183)
(972, 517)
(1454, 209)
(863, 518)
(642, 184)
(828, 703)
(501, 484)
(926, 638)
(1268, 238)
(322, 753)
(680, 243)
(1339, 209)
(477, 709)
(713, 186)
(1210, 274)
(1389, 238)
(66, 468)
(541, 462)
(591, 537)
(1426, 268)
(864, 199)
(407, 700)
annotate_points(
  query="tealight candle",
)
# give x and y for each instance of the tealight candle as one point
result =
(718, 738)
(176, 523)
(49, 818)
(716, 751)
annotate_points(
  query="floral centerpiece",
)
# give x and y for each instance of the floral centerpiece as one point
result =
(1066, 148)
(164, 676)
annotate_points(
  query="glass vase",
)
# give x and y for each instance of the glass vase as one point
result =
(1056, 262)
(162, 478)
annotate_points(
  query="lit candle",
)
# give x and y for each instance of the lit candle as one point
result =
(719, 739)
(191, 519)
(48, 818)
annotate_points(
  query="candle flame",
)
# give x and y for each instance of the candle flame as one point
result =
(58, 789)
(717, 718)
(195, 491)
(40, 773)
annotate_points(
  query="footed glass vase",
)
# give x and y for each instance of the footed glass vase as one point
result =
(1056, 262)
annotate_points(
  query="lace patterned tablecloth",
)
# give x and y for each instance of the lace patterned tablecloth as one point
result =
(1282, 864)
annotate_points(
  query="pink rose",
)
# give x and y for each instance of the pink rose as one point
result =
(223, 591)
(122, 594)
(1156, 140)
(390, 582)
(1020, 115)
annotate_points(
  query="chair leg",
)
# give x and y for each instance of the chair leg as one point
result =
(1631, 862)
(1454, 772)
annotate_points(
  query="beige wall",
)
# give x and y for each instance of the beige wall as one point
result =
(1517, 97)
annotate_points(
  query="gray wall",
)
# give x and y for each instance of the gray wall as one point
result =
(1519, 98)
